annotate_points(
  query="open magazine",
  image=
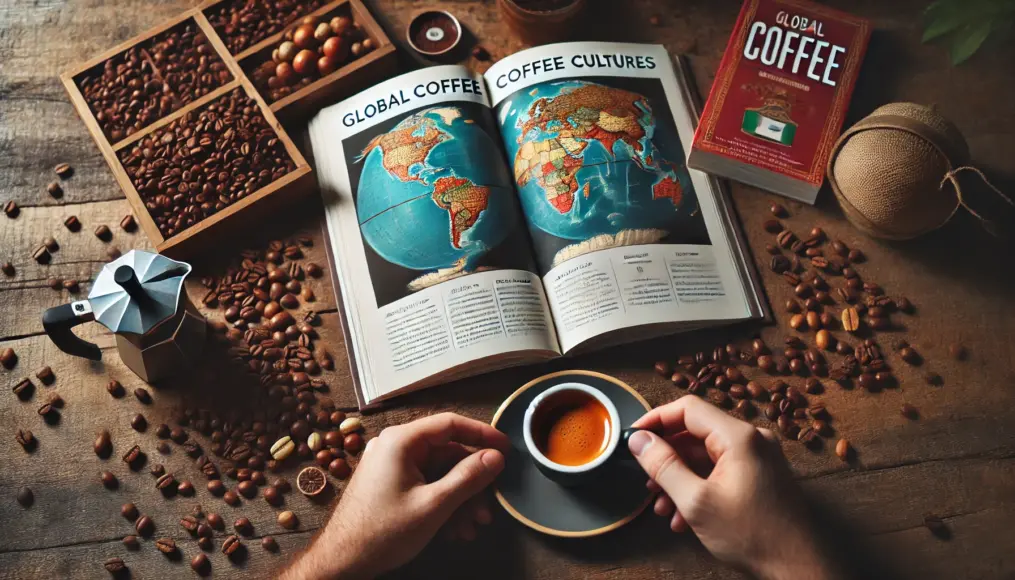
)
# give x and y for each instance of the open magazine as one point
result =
(542, 209)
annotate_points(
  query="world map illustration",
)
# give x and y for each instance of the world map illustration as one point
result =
(434, 195)
(593, 164)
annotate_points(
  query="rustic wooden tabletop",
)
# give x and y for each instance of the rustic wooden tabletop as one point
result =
(957, 460)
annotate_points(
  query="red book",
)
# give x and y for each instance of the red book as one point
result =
(780, 96)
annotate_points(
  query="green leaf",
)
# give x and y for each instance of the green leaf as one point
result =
(942, 25)
(968, 40)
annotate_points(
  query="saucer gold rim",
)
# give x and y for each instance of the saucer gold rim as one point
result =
(539, 527)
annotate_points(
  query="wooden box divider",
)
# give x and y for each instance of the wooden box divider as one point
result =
(263, 202)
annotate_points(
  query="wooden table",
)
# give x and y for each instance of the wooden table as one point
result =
(957, 460)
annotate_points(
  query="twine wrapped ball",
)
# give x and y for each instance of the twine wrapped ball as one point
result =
(891, 171)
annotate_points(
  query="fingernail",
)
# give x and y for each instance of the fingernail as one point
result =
(639, 442)
(490, 459)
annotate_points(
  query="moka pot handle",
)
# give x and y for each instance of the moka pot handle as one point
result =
(59, 321)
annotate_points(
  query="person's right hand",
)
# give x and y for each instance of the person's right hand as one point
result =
(730, 483)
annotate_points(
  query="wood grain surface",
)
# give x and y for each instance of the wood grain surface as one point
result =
(956, 461)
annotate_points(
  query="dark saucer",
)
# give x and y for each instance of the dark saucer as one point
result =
(615, 498)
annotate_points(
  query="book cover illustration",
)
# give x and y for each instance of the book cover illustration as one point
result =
(433, 199)
(782, 89)
(598, 164)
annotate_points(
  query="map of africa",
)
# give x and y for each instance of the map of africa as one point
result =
(430, 192)
(593, 164)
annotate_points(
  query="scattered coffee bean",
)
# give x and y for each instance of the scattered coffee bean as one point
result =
(287, 520)
(353, 442)
(8, 268)
(350, 425)
(144, 526)
(282, 448)
(143, 395)
(115, 388)
(108, 479)
(72, 223)
(230, 545)
(128, 224)
(26, 439)
(215, 521)
(662, 368)
(178, 435)
(115, 566)
(772, 226)
(272, 495)
(243, 526)
(131, 543)
(190, 524)
(54, 189)
(23, 389)
(11, 209)
(909, 411)
(8, 358)
(41, 255)
(269, 544)
(166, 545)
(139, 423)
(25, 496)
(216, 487)
(778, 210)
(200, 564)
(103, 233)
(910, 355)
(843, 450)
(850, 319)
(231, 498)
(933, 379)
(55, 283)
(133, 455)
(185, 488)
(103, 444)
(129, 512)
(64, 170)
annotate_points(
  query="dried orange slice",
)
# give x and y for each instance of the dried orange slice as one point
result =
(311, 481)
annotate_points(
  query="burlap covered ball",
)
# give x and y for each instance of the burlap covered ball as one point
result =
(887, 171)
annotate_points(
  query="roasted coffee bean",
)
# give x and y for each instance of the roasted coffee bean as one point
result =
(850, 319)
(25, 496)
(663, 368)
(114, 388)
(178, 435)
(215, 521)
(216, 487)
(131, 543)
(200, 564)
(45, 375)
(185, 488)
(166, 483)
(108, 479)
(809, 437)
(102, 232)
(247, 489)
(778, 210)
(41, 255)
(139, 423)
(791, 278)
(133, 455)
(933, 379)
(785, 239)
(144, 526)
(166, 545)
(103, 444)
(231, 545)
(231, 498)
(143, 395)
(243, 526)
(766, 363)
(26, 439)
(190, 524)
(287, 520)
(8, 268)
(115, 566)
(23, 389)
(910, 355)
(269, 544)
(11, 209)
(797, 322)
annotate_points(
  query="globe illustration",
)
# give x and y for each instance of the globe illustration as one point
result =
(593, 165)
(434, 195)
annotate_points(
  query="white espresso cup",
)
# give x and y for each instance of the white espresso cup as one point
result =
(572, 474)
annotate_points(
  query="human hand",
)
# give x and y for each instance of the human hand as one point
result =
(411, 481)
(730, 483)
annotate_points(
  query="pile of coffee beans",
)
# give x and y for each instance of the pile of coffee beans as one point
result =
(204, 161)
(836, 316)
(310, 50)
(151, 80)
(242, 23)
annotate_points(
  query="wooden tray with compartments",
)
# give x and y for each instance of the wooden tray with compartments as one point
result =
(196, 145)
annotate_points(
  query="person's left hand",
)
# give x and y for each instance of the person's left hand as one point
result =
(411, 481)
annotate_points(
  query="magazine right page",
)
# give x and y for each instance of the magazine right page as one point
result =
(624, 233)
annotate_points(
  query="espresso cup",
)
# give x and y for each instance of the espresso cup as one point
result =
(572, 431)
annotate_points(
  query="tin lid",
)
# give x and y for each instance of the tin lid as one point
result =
(137, 291)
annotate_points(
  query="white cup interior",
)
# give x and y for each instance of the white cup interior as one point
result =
(615, 429)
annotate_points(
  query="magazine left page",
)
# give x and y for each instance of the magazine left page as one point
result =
(431, 253)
